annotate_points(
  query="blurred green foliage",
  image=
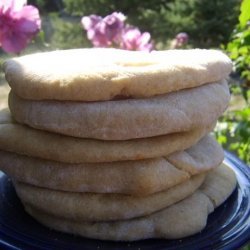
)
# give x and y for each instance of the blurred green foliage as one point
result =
(64, 33)
(239, 46)
(233, 131)
(208, 22)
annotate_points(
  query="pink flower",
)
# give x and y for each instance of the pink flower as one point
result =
(19, 23)
(180, 40)
(103, 32)
(89, 23)
(133, 39)
(111, 31)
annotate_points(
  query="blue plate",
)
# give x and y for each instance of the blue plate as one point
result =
(227, 228)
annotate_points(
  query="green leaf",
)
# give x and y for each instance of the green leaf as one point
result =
(245, 12)
(243, 50)
(244, 113)
(222, 139)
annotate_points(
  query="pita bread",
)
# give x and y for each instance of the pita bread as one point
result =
(103, 207)
(180, 111)
(32, 142)
(103, 74)
(203, 156)
(217, 193)
(141, 177)
(182, 219)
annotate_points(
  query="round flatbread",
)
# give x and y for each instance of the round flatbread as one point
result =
(37, 143)
(203, 156)
(141, 177)
(180, 111)
(103, 74)
(103, 207)
(182, 219)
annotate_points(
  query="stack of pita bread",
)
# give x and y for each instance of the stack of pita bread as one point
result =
(115, 145)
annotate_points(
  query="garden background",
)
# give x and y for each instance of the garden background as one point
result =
(219, 24)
